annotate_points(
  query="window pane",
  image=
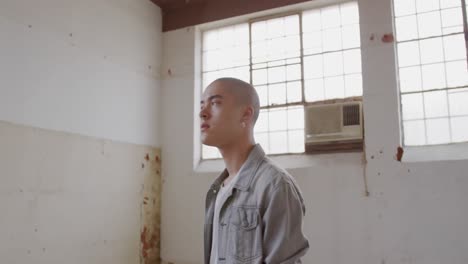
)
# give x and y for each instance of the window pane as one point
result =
(210, 60)
(456, 73)
(259, 32)
(437, 131)
(311, 21)
(262, 122)
(459, 129)
(263, 140)
(210, 40)
(278, 119)
(296, 141)
(241, 73)
(313, 67)
(262, 92)
(349, 13)
(410, 79)
(406, 28)
(209, 152)
(312, 43)
(226, 36)
(433, 76)
(276, 74)
(431, 50)
(435, 104)
(454, 47)
(414, 133)
(332, 39)
(449, 3)
(353, 85)
(275, 28)
(426, 5)
(276, 63)
(293, 72)
(293, 60)
(429, 24)
(352, 61)
(294, 92)
(277, 94)
(209, 77)
(295, 118)
(334, 87)
(331, 17)
(333, 64)
(241, 34)
(259, 51)
(278, 142)
(259, 76)
(351, 36)
(452, 17)
(314, 90)
(412, 106)
(291, 25)
(404, 7)
(408, 54)
(458, 101)
(240, 56)
(292, 46)
(275, 49)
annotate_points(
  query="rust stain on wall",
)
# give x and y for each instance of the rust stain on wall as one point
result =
(399, 154)
(150, 227)
(387, 38)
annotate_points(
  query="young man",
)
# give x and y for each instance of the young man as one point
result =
(254, 209)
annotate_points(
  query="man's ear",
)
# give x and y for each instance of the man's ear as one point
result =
(248, 114)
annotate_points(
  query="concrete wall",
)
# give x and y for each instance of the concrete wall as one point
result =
(79, 141)
(414, 212)
(88, 67)
(66, 198)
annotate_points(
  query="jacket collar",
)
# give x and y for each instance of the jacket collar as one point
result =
(247, 171)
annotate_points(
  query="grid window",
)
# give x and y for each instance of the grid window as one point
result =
(291, 61)
(432, 63)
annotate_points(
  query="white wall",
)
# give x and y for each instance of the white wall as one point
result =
(79, 115)
(414, 213)
(88, 67)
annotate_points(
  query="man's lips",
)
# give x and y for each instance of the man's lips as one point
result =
(204, 127)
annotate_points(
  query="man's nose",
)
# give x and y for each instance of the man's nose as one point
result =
(203, 113)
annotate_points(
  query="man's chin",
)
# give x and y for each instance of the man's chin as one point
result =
(207, 142)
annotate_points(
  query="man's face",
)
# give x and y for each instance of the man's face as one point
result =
(220, 116)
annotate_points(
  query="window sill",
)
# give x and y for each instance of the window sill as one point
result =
(447, 152)
(291, 161)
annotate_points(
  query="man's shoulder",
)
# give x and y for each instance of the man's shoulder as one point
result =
(271, 175)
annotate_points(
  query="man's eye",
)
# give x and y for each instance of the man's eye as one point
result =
(215, 103)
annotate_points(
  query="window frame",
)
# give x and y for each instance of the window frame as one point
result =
(257, 18)
(446, 88)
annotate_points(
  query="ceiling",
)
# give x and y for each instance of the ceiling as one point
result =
(183, 13)
(166, 5)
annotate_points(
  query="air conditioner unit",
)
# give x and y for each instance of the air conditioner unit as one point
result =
(335, 127)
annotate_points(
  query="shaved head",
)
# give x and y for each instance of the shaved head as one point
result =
(244, 93)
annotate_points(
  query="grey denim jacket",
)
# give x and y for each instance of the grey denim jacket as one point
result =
(261, 219)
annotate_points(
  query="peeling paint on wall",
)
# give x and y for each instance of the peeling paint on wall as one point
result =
(150, 211)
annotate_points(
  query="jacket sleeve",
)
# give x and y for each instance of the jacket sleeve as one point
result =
(283, 239)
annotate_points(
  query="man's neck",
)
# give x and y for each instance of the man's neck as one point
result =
(234, 157)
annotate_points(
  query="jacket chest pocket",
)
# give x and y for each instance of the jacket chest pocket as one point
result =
(245, 241)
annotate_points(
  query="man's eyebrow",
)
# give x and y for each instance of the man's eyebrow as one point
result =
(216, 96)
